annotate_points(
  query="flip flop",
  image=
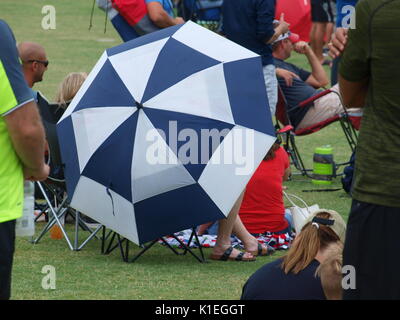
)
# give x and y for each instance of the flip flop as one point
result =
(227, 256)
(263, 251)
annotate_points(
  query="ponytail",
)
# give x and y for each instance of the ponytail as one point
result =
(310, 240)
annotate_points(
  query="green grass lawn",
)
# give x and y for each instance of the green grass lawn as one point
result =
(159, 274)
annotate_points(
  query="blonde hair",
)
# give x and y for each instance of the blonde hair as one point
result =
(69, 87)
(308, 242)
(330, 272)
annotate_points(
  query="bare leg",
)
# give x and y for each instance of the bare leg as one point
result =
(317, 40)
(250, 242)
(329, 31)
(312, 33)
(203, 227)
(225, 228)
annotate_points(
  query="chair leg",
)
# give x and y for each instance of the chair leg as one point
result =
(349, 132)
(288, 142)
(296, 158)
(57, 214)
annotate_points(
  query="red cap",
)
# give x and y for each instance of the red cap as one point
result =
(294, 37)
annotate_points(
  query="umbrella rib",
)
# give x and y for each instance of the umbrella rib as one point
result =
(112, 200)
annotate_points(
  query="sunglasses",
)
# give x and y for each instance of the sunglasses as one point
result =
(45, 63)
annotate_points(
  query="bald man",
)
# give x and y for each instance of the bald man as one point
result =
(34, 62)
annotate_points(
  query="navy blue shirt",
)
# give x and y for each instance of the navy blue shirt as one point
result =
(271, 283)
(299, 91)
(250, 24)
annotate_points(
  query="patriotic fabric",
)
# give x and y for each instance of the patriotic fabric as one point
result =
(276, 241)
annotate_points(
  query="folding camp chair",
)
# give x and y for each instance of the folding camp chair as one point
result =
(349, 124)
(111, 236)
(54, 188)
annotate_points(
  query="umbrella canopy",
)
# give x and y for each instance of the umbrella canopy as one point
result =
(165, 132)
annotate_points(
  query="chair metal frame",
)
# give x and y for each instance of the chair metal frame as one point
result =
(288, 132)
(111, 236)
(56, 186)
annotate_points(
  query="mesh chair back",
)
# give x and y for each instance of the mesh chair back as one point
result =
(50, 114)
(281, 112)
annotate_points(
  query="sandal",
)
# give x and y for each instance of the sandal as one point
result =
(227, 256)
(263, 251)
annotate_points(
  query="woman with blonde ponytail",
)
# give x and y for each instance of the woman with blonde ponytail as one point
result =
(293, 277)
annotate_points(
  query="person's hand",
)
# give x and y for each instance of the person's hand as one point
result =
(283, 25)
(301, 47)
(287, 75)
(179, 20)
(338, 43)
(37, 174)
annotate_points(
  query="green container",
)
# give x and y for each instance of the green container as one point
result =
(323, 165)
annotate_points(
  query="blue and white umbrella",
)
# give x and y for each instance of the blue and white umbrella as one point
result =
(135, 140)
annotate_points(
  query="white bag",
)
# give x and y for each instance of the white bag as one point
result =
(299, 214)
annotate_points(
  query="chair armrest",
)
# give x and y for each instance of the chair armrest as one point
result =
(286, 129)
(313, 98)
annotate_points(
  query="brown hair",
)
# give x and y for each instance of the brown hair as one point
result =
(307, 244)
(275, 46)
(271, 153)
(330, 272)
(69, 87)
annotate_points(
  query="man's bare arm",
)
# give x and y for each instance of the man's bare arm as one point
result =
(28, 137)
(160, 17)
(318, 77)
(353, 93)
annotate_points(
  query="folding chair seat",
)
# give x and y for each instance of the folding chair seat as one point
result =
(350, 123)
(54, 188)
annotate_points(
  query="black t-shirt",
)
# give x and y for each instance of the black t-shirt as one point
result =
(299, 91)
(271, 283)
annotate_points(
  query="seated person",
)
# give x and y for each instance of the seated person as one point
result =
(65, 93)
(298, 84)
(69, 87)
(161, 13)
(293, 277)
(263, 208)
(120, 21)
(224, 228)
(124, 29)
